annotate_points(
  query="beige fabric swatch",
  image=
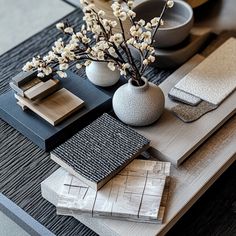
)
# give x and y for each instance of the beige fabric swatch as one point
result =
(214, 78)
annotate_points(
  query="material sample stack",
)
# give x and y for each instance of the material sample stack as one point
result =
(102, 179)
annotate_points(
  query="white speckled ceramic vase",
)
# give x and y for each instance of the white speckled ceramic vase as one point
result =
(138, 105)
(99, 74)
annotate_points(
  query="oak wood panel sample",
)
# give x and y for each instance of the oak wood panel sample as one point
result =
(24, 77)
(30, 84)
(135, 194)
(42, 89)
(188, 183)
(56, 107)
(175, 140)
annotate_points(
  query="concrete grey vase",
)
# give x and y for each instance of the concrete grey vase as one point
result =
(99, 74)
(138, 105)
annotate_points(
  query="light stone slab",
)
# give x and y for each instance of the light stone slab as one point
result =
(214, 79)
(21, 19)
(135, 194)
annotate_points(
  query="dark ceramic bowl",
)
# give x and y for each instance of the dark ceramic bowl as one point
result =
(178, 21)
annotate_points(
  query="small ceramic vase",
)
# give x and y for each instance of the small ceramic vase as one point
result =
(99, 74)
(138, 105)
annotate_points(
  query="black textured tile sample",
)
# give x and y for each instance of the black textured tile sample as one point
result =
(101, 148)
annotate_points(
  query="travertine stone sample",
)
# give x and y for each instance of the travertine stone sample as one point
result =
(215, 78)
(138, 193)
(181, 96)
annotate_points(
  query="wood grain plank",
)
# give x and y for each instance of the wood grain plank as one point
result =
(42, 90)
(56, 107)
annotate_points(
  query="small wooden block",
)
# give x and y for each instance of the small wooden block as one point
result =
(24, 77)
(17, 89)
(22, 106)
(55, 108)
(42, 89)
(30, 84)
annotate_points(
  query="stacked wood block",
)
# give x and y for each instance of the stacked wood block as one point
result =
(44, 97)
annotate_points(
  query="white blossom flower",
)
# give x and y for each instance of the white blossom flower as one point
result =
(130, 41)
(101, 13)
(113, 23)
(61, 74)
(87, 63)
(151, 58)
(131, 14)
(146, 37)
(78, 66)
(111, 66)
(47, 70)
(85, 40)
(130, 3)
(100, 55)
(40, 75)
(68, 30)
(112, 52)
(145, 62)
(60, 26)
(64, 66)
(155, 21)
(148, 26)
(116, 38)
(143, 46)
(170, 4)
(28, 66)
(141, 22)
(97, 40)
(122, 16)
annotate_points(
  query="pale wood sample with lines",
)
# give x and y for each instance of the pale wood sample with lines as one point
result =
(42, 89)
(135, 194)
(54, 108)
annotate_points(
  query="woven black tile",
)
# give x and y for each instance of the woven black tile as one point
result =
(101, 148)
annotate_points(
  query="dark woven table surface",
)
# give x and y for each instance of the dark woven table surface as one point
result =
(23, 166)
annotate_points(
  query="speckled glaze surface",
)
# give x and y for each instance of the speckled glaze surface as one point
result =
(138, 106)
(99, 74)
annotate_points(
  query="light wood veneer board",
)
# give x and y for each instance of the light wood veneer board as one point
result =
(56, 107)
(172, 139)
(42, 89)
(188, 183)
